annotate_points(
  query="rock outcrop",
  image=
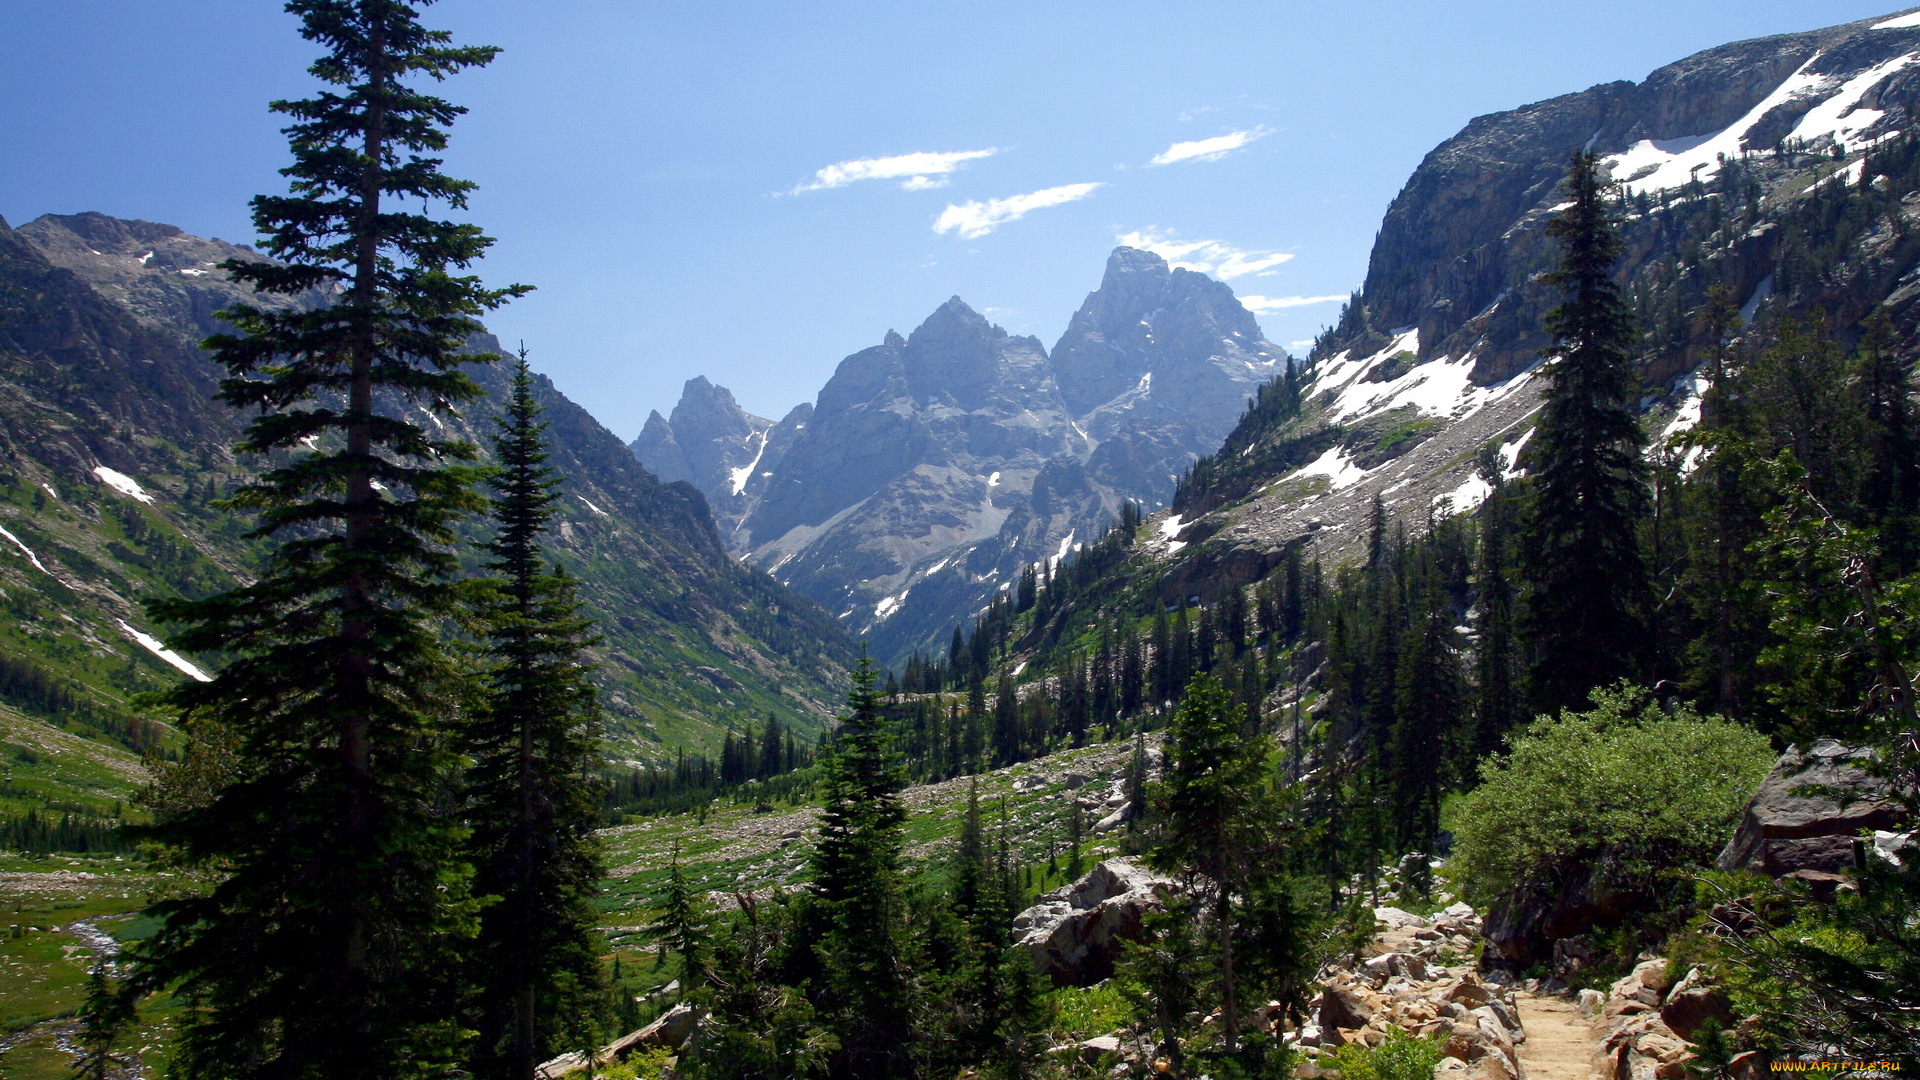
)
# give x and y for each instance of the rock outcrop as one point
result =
(1074, 933)
(673, 1030)
(1809, 814)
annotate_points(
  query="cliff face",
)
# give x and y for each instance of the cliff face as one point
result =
(113, 449)
(1460, 246)
(932, 467)
(1785, 171)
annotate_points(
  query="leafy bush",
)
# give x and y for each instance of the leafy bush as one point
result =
(644, 1065)
(1095, 1010)
(1650, 790)
(1399, 1057)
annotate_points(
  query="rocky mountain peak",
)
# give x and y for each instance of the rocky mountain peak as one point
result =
(934, 465)
(1146, 318)
(957, 356)
(709, 409)
(1458, 251)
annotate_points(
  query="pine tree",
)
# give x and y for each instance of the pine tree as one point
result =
(329, 944)
(1582, 555)
(683, 925)
(1428, 703)
(535, 744)
(856, 883)
(1497, 697)
(1890, 490)
(1213, 788)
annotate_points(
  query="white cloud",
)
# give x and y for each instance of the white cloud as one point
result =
(921, 171)
(1223, 261)
(975, 219)
(1262, 305)
(1208, 149)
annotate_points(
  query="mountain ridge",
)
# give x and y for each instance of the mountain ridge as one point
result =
(100, 369)
(932, 467)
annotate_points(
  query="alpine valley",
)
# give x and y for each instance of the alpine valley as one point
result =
(1520, 684)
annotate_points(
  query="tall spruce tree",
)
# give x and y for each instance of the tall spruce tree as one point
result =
(533, 802)
(1582, 555)
(327, 944)
(1214, 787)
(856, 883)
(1428, 700)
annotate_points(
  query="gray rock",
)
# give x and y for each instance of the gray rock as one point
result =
(1693, 1002)
(1340, 1007)
(1073, 933)
(1786, 829)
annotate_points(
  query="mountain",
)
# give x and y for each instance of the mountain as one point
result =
(933, 467)
(1782, 170)
(112, 449)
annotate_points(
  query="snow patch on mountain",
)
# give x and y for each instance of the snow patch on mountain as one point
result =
(1653, 165)
(1468, 496)
(152, 645)
(28, 552)
(1336, 465)
(738, 477)
(122, 483)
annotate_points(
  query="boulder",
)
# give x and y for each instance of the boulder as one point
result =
(1652, 975)
(672, 1030)
(1521, 930)
(1095, 1049)
(1396, 919)
(1468, 992)
(1692, 1003)
(1073, 933)
(1787, 829)
(1341, 1007)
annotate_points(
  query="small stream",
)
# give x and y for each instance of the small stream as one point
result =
(65, 1031)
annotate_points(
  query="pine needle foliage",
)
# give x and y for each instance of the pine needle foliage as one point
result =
(327, 943)
(865, 997)
(1214, 790)
(1582, 553)
(533, 792)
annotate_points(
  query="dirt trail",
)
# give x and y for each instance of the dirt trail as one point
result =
(1559, 1042)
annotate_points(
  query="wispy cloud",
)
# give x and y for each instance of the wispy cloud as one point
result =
(1222, 260)
(1263, 305)
(921, 171)
(1208, 149)
(974, 219)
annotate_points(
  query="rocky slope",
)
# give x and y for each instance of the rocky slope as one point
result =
(932, 467)
(1780, 169)
(111, 450)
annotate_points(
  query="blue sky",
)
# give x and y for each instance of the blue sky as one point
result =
(718, 189)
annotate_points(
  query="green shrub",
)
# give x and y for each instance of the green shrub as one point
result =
(1095, 1010)
(644, 1065)
(1650, 790)
(1399, 1057)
